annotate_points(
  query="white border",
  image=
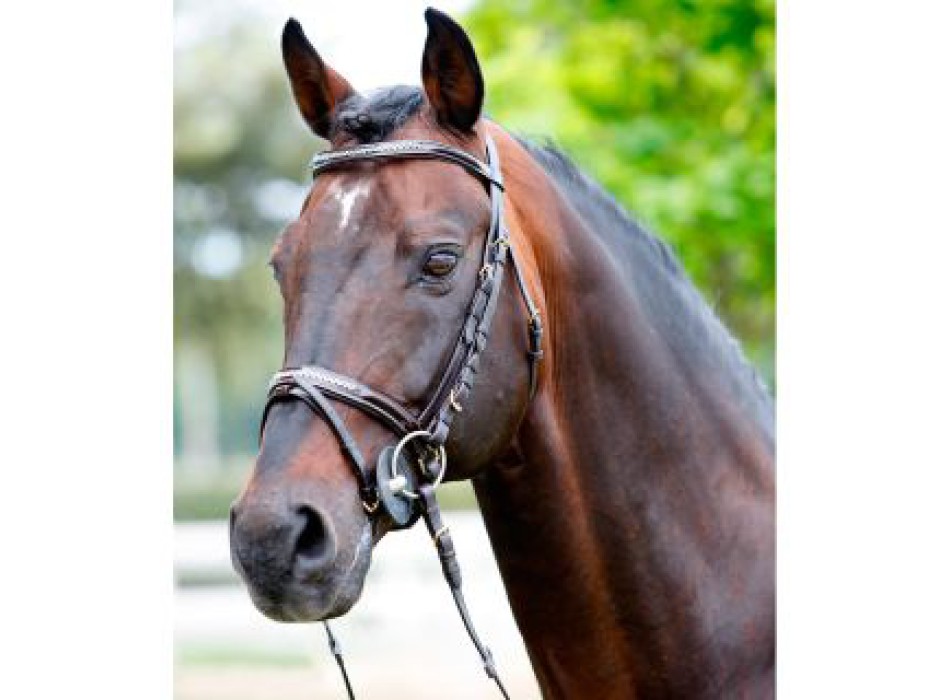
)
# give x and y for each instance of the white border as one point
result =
(87, 336)
(863, 350)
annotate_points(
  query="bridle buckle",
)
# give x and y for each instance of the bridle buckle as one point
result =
(370, 506)
(454, 401)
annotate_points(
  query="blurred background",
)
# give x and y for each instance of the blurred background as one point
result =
(669, 103)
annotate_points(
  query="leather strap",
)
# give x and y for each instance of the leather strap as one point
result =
(318, 403)
(350, 391)
(459, 376)
(453, 576)
(535, 330)
(337, 652)
(410, 148)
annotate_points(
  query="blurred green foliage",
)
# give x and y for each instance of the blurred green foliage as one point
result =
(669, 103)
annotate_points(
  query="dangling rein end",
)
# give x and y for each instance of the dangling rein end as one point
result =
(453, 576)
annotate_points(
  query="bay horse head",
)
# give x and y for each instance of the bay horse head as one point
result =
(380, 274)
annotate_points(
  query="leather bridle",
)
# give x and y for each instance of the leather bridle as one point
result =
(403, 483)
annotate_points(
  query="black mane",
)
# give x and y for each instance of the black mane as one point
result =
(588, 196)
(676, 307)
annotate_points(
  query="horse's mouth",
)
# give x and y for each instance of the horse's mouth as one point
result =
(293, 600)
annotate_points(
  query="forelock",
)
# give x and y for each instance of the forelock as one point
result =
(375, 116)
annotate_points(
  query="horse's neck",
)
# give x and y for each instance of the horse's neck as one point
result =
(633, 519)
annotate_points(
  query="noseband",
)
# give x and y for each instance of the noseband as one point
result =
(403, 484)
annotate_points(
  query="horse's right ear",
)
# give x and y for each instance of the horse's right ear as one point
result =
(318, 89)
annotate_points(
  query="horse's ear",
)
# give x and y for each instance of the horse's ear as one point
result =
(450, 73)
(318, 89)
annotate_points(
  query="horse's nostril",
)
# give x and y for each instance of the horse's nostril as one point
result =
(314, 548)
(312, 539)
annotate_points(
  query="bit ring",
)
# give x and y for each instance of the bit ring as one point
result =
(443, 461)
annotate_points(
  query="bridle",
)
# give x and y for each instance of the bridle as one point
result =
(403, 483)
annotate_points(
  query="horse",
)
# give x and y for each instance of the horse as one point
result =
(623, 462)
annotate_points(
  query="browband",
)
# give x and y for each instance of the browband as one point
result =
(411, 148)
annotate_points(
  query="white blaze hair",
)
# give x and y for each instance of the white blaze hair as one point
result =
(346, 198)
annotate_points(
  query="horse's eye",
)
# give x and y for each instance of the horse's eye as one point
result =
(441, 263)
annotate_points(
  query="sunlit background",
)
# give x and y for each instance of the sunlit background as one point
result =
(669, 104)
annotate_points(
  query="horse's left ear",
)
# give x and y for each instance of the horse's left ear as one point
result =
(450, 73)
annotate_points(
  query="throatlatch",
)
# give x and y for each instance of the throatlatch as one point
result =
(402, 485)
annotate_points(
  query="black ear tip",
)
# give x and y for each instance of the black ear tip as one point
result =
(434, 17)
(294, 41)
(293, 30)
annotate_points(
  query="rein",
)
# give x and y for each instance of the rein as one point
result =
(402, 486)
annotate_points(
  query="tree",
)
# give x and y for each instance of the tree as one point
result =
(671, 105)
(240, 155)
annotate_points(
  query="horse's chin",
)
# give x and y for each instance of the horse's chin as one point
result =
(308, 603)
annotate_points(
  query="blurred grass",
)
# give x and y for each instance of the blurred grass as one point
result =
(207, 495)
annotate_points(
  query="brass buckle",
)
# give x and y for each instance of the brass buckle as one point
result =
(454, 402)
(371, 508)
(439, 533)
